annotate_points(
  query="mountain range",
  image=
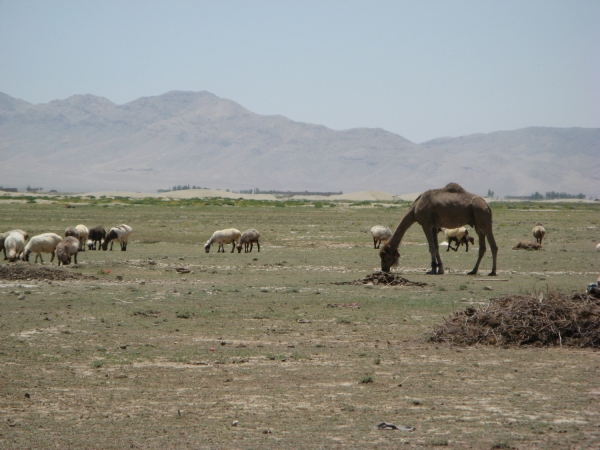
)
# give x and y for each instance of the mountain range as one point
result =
(87, 143)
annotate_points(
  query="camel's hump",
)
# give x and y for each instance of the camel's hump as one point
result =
(454, 188)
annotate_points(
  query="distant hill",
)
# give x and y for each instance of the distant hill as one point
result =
(88, 143)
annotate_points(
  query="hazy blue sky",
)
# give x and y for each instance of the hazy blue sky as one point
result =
(422, 69)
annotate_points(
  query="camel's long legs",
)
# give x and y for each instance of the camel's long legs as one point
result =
(482, 249)
(436, 260)
(494, 248)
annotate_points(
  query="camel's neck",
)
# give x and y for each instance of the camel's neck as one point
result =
(401, 229)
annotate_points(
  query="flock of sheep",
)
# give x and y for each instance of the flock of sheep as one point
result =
(247, 239)
(460, 236)
(79, 237)
(76, 239)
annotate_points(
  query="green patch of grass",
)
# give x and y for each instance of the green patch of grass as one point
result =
(96, 364)
(438, 442)
(366, 379)
(183, 314)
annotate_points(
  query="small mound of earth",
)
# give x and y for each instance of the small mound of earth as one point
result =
(386, 279)
(543, 321)
(24, 272)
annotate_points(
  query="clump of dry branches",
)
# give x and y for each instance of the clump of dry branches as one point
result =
(544, 320)
(386, 279)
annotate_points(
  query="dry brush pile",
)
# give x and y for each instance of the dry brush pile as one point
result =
(386, 279)
(553, 319)
(23, 272)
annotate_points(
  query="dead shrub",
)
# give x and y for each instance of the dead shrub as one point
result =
(544, 320)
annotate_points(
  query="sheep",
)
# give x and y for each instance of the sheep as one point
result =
(221, 237)
(42, 243)
(527, 245)
(249, 237)
(66, 249)
(120, 233)
(14, 243)
(97, 234)
(380, 233)
(466, 240)
(3, 236)
(598, 247)
(72, 231)
(454, 235)
(83, 236)
(538, 233)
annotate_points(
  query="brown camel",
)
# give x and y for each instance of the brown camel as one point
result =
(449, 207)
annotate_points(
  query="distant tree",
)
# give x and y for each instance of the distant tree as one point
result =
(490, 193)
(537, 196)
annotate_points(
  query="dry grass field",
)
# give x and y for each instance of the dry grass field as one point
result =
(129, 353)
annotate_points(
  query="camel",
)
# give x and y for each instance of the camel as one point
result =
(449, 207)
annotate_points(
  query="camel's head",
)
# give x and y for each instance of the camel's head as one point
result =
(389, 257)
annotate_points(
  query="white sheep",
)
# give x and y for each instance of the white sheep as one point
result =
(3, 236)
(42, 243)
(454, 235)
(14, 243)
(598, 247)
(249, 237)
(66, 249)
(221, 237)
(380, 233)
(83, 236)
(119, 233)
(538, 233)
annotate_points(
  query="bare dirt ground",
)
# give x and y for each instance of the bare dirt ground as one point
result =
(125, 351)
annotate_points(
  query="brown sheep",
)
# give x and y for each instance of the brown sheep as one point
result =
(527, 245)
(249, 238)
(97, 235)
(66, 249)
(538, 233)
(465, 240)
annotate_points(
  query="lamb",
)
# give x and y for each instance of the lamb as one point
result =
(3, 236)
(380, 233)
(83, 236)
(97, 234)
(221, 237)
(527, 245)
(72, 231)
(465, 240)
(66, 249)
(455, 235)
(538, 233)
(120, 233)
(42, 243)
(249, 237)
(14, 243)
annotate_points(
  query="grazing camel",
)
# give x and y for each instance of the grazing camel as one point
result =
(449, 207)
(538, 233)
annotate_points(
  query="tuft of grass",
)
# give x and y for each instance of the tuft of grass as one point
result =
(183, 314)
(96, 364)
(463, 287)
(366, 379)
(438, 442)
(377, 361)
